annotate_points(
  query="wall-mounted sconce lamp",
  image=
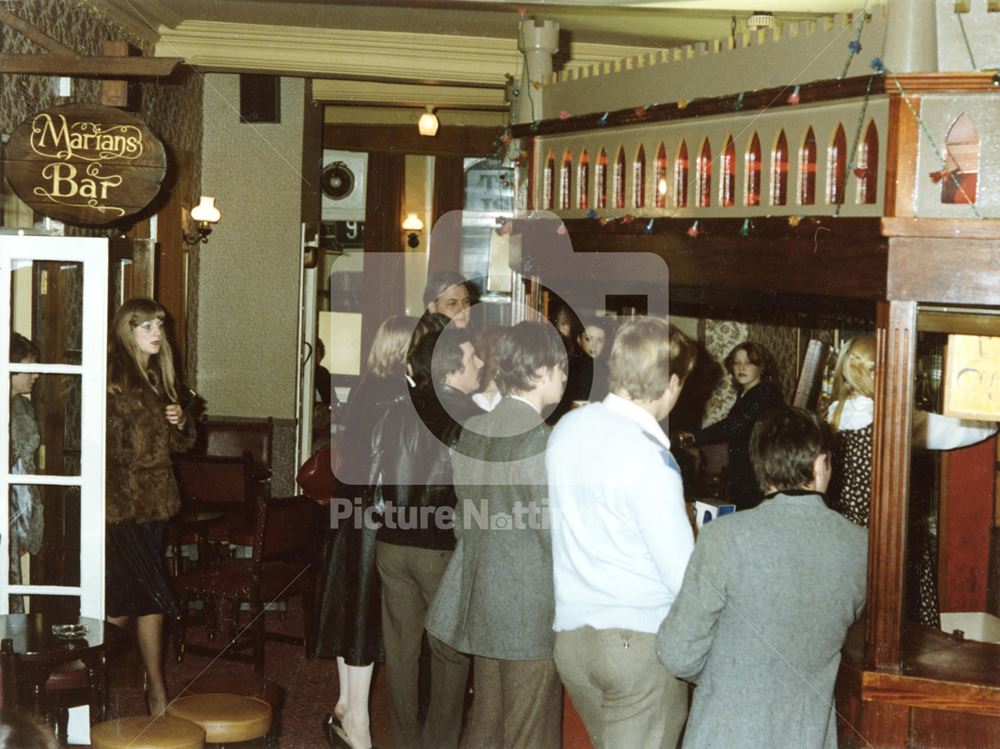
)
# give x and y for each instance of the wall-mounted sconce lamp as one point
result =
(204, 215)
(428, 124)
(413, 226)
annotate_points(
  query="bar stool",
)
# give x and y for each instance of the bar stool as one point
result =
(225, 718)
(163, 732)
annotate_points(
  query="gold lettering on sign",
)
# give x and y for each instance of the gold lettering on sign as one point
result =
(972, 386)
(68, 187)
(56, 138)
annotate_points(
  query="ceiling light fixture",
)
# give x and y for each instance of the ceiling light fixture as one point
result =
(761, 20)
(428, 124)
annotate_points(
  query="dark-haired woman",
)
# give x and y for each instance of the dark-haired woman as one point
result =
(145, 425)
(755, 378)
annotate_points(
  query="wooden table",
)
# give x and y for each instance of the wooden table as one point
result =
(37, 651)
(189, 521)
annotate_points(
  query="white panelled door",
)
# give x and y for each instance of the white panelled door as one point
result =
(56, 289)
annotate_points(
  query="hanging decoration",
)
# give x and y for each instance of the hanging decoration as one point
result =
(682, 103)
(563, 115)
(854, 46)
(738, 104)
(745, 229)
(649, 226)
(793, 98)
(793, 221)
(640, 112)
(603, 119)
(693, 230)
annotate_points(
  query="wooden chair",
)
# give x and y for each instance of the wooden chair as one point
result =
(220, 484)
(8, 675)
(282, 566)
(231, 438)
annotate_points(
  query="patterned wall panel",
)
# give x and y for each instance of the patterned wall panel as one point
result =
(781, 339)
(719, 337)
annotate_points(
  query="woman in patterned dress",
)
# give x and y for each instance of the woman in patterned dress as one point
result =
(851, 415)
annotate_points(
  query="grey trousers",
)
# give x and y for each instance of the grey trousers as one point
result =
(516, 705)
(623, 694)
(410, 578)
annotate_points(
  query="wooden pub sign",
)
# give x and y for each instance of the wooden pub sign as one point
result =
(85, 164)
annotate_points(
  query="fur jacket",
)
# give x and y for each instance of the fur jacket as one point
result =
(140, 482)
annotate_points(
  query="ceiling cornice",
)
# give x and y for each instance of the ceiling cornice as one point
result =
(406, 94)
(379, 54)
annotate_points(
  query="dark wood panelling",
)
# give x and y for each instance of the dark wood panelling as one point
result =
(885, 726)
(836, 257)
(931, 694)
(172, 252)
(900, 168)
(767, 98)
(449, 195)
(947, 271)
(383, 286)
(966, 519)
(941, 729)
(312, 158)
(896, 328)
(929, 653)
(450, 140)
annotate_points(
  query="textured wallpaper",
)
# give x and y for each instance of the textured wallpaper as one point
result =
(171, 107)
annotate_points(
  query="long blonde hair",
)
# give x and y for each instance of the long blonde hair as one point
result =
(387, 356)
(126, 372)
(855, 374)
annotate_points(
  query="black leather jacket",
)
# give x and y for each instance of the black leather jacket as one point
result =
(412, 448)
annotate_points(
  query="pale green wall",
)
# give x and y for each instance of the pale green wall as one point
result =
(248, 280)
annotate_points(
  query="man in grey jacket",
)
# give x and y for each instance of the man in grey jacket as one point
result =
(495, 600)
(767, 600)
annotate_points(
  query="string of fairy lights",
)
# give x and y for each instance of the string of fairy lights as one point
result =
(854, 48)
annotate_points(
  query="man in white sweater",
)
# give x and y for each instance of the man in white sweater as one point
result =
(621, 540)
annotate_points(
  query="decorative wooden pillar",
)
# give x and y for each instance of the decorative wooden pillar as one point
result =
(894, 375)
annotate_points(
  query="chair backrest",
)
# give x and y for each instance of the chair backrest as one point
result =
(284, 529)
(228, 438)
(223, 481)
(8, 675)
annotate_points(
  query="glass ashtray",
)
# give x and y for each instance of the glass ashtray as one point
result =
(69, 631)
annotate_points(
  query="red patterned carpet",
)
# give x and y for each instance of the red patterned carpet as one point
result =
(310, 687)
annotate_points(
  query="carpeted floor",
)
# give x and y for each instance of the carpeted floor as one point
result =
(310, 687)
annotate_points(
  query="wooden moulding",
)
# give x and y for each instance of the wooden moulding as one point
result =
(930, 693)
(974, 82)
(944, 228)
(466, 140)
(828, 257)
(768, 98)
(946, 271)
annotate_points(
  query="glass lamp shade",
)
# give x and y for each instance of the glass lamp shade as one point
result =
(428, 124)
(206, 212)
(413, 223)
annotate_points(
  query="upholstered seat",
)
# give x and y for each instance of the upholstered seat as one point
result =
(226, 718)
(164, 732)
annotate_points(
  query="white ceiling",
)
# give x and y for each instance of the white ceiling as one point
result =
(660, 23)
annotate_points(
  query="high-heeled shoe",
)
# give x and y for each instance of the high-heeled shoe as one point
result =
(334, 732)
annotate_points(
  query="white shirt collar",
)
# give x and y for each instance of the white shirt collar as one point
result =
(639, 415)
(524, 400)
(858, 412)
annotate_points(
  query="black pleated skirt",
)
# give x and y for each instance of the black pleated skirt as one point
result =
(350, 611)
(136, 578)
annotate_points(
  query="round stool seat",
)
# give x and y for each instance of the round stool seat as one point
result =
(225, 717)
(147, 732)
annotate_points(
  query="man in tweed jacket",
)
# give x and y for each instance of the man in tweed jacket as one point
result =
(767, 600)
(495, 599)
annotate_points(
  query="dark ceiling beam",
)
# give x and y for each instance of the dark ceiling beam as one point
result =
(61, 60)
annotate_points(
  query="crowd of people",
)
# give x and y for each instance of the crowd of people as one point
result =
(533, 529)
